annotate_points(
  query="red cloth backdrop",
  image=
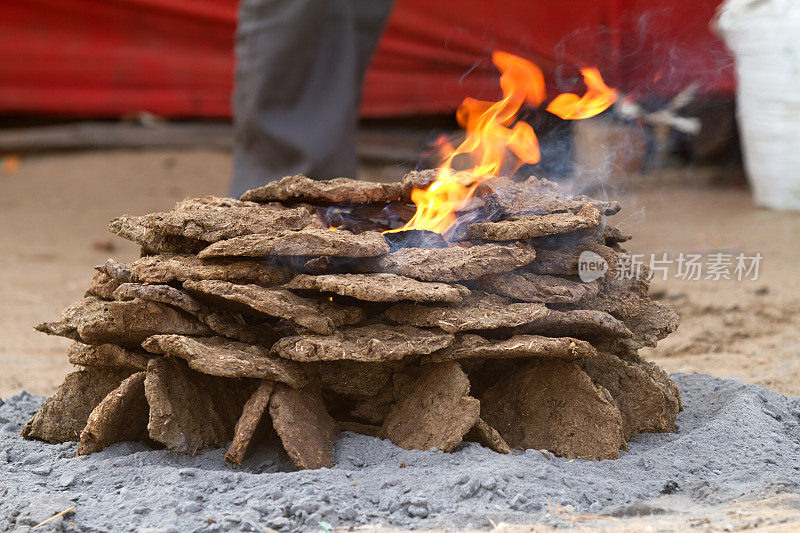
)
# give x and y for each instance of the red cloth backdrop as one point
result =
(107, 58)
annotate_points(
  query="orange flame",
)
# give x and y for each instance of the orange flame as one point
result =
(491, 134)
(597, 99)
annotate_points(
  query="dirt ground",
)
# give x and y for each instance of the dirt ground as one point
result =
(54, 210)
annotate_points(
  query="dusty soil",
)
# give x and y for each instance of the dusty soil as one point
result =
(749, 330)
(54, 211)
(732, 465)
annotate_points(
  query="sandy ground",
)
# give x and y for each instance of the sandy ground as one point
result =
(749, 329)
(54, 210)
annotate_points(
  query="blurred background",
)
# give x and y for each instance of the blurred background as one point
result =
(125, 106)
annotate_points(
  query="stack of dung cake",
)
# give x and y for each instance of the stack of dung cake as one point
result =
(293, 314)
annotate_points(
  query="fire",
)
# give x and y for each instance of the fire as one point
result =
(489, 136)
(494, 144)
(597, 99)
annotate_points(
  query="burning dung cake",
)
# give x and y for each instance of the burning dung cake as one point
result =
(443, 308)
(305, 309)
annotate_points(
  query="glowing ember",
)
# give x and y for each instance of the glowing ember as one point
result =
(495, 145)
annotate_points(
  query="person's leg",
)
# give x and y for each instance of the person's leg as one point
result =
(295, 92)
(298, 78)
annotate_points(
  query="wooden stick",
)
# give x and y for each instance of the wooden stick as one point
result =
(62, 513)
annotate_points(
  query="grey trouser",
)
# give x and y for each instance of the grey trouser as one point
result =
(299, 69)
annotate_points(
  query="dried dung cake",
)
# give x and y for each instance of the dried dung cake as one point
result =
(373, 343)
(586, 324)
(481, 311)
(235, 326)
(118, 271)
(247, 427)
(417, 179)
(627, 300)
(532, 226)
(220, 357)
(290, 315)
(64, 415)
(563, 261)
(537, 196)
(488, 436)
(354, 379)
(158, 293)
(220, 321)
(211, 225)
(301, 420)
(308, 242)
(174, 267)
(452, 264)
(553, 405)
(191, 411)
(108, 356)
(380, 287)
(127, 323)
(102, 286)
(218, 203)
(526, 286)
(646, 404)
(435, 412)
(121, 416)
(336, 191)
(318, 315)
(468, 346)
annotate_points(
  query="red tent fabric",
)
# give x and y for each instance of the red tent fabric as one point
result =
(106, 58)
(93, 58)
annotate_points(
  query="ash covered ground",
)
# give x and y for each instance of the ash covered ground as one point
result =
(735, 442)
